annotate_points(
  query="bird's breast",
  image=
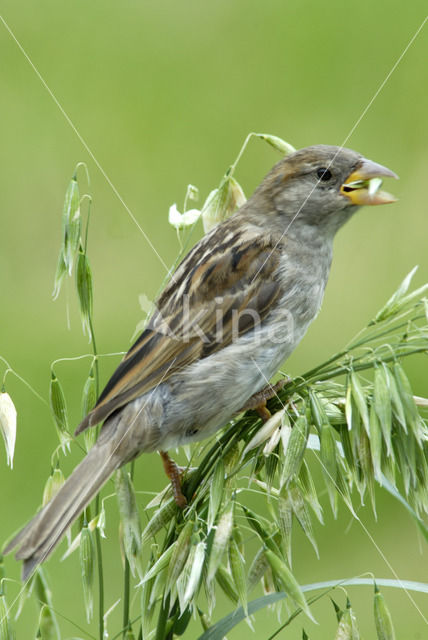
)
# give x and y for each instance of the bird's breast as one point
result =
(303, 274)
(201, 397)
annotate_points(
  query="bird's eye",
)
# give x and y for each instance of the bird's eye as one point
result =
(323, 174)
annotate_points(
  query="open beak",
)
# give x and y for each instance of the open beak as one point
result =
(362, 186)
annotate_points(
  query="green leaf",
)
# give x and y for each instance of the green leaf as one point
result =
(406, 395)
(257, 569)
(398, 299)
(195, 572)
(84, 290)
(221, 541)
(360, 398)
(221, 628)
(47, 627)
(161, 563)
(89, 394)
(383, 621)
(61, 270)
(318, 413)
(397, 405)
(59, 411)
(328, 455)
(347, 628)
(216, 493)
(236, 563)
(71, 223)
(285, 520)
(160, 519)
(291, 586)
(277, 143)
(307, 485)
(226, 584)
(366, 468)
(53, 485)
(6, 630)
(303, 516)
(382, 405)
(261, 526)
(130, 519)
(376, 443)
(179, 556)
(338, 611)
(295, 450)
(87, 567)
(89, 398)
(226, 624)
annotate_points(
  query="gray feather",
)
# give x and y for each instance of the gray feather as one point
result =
(41, 535)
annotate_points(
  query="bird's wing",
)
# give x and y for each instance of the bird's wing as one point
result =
(213, 297)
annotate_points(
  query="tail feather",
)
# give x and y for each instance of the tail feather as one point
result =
(41, 535)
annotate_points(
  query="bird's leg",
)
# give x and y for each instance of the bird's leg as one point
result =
(258, 400)
(174, 474)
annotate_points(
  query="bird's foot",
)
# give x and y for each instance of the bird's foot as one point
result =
(174, 474)
(258, 401)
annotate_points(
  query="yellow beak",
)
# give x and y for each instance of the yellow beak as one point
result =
(362, 186)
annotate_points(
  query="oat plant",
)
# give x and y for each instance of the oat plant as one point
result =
(352, 420)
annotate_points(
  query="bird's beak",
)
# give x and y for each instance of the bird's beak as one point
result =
(362, 186)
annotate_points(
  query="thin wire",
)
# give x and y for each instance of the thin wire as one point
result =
(377, 92)
(83, 141)
(365, 110)
(115, 191)
(27, 384)
(366, 531)
(45, 555)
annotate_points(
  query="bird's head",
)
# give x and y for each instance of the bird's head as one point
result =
(322, 186)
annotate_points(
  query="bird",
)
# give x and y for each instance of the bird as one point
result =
(233, 311)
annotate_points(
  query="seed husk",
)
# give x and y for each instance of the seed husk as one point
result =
(383, 620)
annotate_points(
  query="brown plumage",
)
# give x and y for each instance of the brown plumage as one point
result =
(234, 310)
(169, 343)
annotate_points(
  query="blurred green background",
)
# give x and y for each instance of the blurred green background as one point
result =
(164, 94)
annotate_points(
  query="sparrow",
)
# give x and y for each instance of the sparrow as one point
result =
(233, 311)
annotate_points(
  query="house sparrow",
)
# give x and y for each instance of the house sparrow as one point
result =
(233, 311)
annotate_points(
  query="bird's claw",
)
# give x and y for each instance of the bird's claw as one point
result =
(258, 400)
(174, 473)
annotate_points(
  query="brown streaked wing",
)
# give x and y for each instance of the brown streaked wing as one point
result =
(222, 284)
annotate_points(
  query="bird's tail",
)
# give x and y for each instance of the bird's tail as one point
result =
(41, 535)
